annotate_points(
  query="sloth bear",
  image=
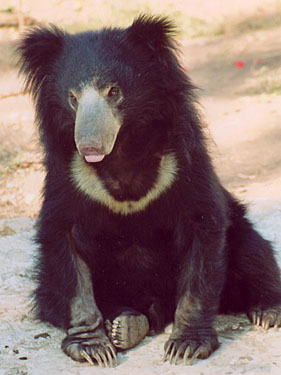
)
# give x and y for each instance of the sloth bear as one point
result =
(135, 231)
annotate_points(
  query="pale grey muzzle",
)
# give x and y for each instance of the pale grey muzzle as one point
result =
(96, 127)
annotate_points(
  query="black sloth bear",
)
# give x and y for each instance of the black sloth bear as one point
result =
(135, 230)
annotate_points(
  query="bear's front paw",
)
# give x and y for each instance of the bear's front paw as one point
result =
(97, 351)
(189, 349)
(266, 318)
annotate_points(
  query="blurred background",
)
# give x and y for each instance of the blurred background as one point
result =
(230, 49)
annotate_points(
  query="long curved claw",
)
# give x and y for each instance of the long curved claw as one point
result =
(196, 355)
(112, 351)
(104, 357)
(180, 351)
(186, 355)
(172, 354)
(95, 354)
(167, 351)
(254, 318)
(86, 356)
(109, 358)
(258, 319)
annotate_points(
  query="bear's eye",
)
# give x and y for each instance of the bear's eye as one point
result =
(72, 100)
(113, 92)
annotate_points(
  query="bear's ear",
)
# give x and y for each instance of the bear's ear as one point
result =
(154, 33)
(38, 50)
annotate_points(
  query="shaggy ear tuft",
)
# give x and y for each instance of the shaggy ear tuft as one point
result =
(38, 50)
(155, 33)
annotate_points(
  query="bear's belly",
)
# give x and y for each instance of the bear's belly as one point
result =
(134, 277)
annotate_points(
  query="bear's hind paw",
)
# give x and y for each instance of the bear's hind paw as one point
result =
(127, 330)
(266, 318)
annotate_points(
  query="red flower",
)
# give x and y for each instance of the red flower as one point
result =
(240, 64)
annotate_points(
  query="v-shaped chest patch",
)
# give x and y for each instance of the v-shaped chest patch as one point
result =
(87, 181)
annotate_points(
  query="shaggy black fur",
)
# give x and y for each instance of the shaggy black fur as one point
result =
(184, 256)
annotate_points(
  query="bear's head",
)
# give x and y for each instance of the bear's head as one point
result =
(98, 89)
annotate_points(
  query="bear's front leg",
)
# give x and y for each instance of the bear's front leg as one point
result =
(86, 339)
(201, 277)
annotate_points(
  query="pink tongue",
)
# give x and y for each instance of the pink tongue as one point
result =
(94, 158)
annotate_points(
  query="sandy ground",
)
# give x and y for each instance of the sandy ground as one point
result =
(242, 108)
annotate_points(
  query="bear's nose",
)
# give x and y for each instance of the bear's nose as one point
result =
(90, 145)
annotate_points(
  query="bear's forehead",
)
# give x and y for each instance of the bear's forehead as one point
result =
(97, 45)
(91, 59)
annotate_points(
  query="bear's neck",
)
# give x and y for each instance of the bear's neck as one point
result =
(105, 189)
(127, 178)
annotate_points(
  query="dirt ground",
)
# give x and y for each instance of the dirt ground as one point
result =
(239, 75)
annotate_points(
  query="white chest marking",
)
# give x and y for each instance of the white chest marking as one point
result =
(87, 181)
